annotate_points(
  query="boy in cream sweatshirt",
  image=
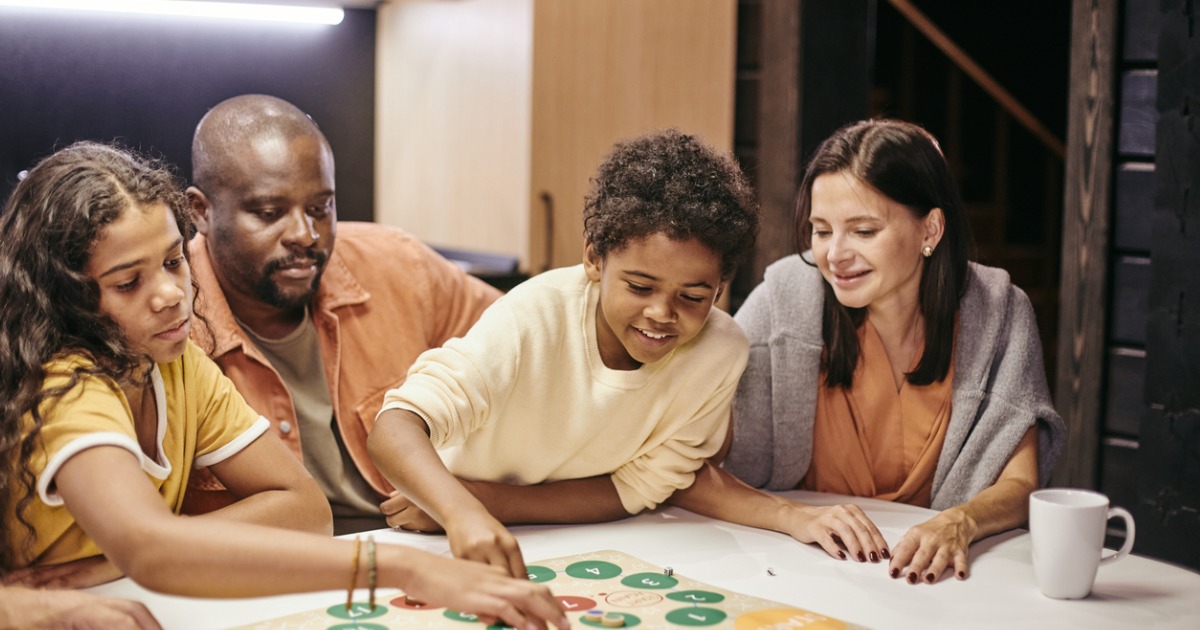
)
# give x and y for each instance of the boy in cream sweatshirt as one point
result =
(591, 392)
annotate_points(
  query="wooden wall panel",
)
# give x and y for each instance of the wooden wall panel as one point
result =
(1086, 208)
(1130, 300)
(1125, 391)
(608, 71)
(1139, 89)
(453, 127)
(1169, 452)
(1135, 206)
(1142, 22)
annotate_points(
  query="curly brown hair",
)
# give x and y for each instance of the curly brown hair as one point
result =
(48, 230)
(671, 183)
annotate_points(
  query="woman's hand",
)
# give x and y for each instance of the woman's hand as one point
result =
(943, 542)
(843, 531)
(928, 549)
(80, 573)
(492, 594)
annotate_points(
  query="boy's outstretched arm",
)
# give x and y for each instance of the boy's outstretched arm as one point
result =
(839, 529)
(589, 500)
(400, 447)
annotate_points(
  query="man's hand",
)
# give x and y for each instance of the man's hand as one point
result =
(404, 514)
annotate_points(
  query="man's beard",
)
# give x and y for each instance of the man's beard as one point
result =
(268, 291)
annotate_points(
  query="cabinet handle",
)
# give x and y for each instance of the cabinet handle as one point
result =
(548, 235)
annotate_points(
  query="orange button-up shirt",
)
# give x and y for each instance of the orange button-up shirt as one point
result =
(384, 298)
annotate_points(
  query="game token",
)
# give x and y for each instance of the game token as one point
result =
(593, 615)
(613, 620)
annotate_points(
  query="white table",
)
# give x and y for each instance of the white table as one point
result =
(1000, 592)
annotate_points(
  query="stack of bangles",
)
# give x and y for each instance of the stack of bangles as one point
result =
(371, 573)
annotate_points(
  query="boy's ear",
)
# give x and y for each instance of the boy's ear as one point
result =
(593, 263)
(200, 206)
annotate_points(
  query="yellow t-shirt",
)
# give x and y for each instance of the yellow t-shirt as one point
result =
(202, 420)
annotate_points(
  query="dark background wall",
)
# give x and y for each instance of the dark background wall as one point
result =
(146, 81)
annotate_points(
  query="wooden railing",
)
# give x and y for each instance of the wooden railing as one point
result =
(972, 69)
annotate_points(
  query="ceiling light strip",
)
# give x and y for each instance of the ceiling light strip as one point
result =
(189, 8)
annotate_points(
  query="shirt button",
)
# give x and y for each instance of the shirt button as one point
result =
(285, 427)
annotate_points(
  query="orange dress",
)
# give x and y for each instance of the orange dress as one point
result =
(874, 440)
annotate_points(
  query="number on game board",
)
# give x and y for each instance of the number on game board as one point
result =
(593, 570)
(649, 582)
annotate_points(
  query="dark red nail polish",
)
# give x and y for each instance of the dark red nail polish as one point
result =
(861, 557)
(874, 557)
(912, 578)
(929, 577)
(962, 575)
(895, 573)
(841, 555)
(887, 555)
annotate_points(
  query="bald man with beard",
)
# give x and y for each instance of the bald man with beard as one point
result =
(313, 336)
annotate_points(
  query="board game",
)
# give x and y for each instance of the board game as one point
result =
(602, 589)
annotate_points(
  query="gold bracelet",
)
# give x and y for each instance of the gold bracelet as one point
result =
(353, 575)
(371, 575)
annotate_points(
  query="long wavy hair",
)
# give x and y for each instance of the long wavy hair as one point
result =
(904, 163)
(51, 306)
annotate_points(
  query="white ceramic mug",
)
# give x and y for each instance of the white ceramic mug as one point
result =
(1067, 527)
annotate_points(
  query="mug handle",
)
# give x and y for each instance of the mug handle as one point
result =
(1129, 534)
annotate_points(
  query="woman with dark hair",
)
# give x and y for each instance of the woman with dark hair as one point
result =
(106, 406)
(884, 364)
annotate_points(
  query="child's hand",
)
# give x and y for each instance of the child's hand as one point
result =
(404, 514)
(492, 594)
(80, 573)
(476, 535)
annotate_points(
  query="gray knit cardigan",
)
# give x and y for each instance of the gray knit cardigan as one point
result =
(999, 388)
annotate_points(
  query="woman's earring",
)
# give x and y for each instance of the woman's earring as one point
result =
(927, 251)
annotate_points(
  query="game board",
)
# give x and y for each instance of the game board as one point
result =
(598, 589)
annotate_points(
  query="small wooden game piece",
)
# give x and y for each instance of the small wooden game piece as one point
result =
(669, 571)
(594, 615)
(613, 620)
